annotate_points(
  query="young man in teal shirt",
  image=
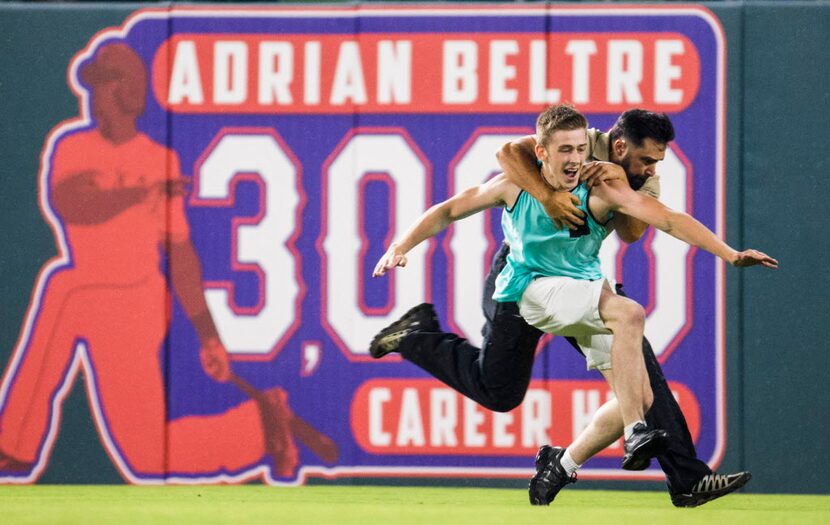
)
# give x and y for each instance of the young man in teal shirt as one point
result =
(536, 270)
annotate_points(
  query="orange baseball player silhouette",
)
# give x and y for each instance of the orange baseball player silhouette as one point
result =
(119, 197)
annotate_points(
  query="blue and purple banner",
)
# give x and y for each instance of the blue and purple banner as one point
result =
(311, 137)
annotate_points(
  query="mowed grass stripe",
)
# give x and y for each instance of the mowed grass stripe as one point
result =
(369, 505)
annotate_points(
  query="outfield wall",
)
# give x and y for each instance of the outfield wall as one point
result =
(329, 177)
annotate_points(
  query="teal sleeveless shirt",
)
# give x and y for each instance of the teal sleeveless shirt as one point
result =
(539, 249)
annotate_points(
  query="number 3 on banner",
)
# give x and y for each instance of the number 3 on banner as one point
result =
(262, 244)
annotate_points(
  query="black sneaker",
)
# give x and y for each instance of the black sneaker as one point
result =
(711, 487)
(543, 457)
(550, 476)
(642, 445)
(421, 318)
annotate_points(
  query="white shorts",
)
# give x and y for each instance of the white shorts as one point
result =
(570, 307)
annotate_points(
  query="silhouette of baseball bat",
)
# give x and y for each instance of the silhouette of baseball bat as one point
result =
(320, 444)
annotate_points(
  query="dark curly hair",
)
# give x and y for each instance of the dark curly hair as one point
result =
(636, 125)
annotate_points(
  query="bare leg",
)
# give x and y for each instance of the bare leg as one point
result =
(626, 320)
(604, 430)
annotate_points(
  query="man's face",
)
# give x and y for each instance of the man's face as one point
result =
(639, 162)
(105, 106)
(563, 157)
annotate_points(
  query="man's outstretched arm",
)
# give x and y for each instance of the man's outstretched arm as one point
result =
(470, 201)
(623, 199)
(628, 228)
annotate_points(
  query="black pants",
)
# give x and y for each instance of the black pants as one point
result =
(497, 375)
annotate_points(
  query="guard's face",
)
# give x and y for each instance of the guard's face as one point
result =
(563, 157)
(639, 162)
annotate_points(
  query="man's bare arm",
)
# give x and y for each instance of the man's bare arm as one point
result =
(623, 199)
(79, 200)
(599, 171)
(628, 228)
(518, 160)
(186, 279)
(495, 192)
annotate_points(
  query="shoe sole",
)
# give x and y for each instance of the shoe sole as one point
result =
(640, 457)
(374, 347)
(691, 501)
(537, 490)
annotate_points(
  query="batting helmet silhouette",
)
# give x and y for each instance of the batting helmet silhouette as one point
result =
(117, 62)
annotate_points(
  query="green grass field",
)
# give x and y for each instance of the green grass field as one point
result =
(366, 505)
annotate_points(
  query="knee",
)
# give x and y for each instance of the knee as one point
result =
(631, 316)
(635, 314)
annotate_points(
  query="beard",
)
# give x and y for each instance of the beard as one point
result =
(636, 181)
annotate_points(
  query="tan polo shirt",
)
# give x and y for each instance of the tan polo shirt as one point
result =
(599, 148)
